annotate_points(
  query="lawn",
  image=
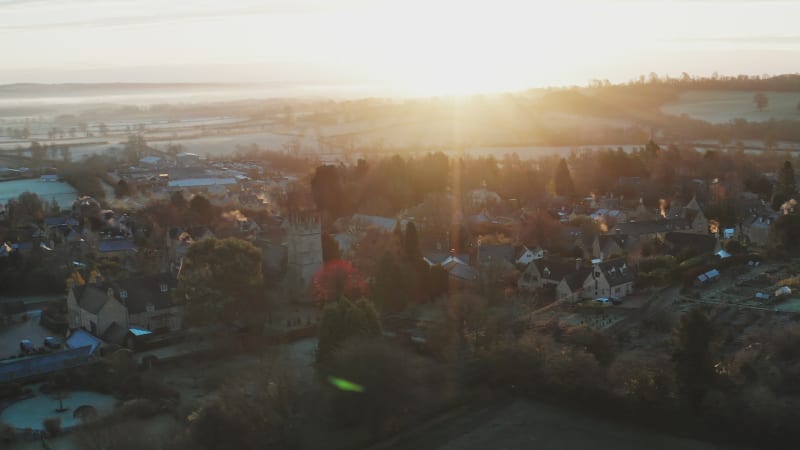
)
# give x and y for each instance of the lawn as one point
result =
(724, 106)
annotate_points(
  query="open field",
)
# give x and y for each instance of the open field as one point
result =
(724, 106)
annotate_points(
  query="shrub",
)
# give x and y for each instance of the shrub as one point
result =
(786, 345)
(396, 386)
(139, 408)
(124, 436)
(257, 413)
(7, 434)
(52, 425)
(600, 345)
(662, 321)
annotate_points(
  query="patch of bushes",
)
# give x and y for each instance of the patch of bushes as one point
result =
(52, 425)
(7, 434)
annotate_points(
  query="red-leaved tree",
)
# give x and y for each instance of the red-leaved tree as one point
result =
(338, 278)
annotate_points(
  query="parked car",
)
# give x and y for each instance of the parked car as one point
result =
(26, 346)
(51, 342)
(608, 300)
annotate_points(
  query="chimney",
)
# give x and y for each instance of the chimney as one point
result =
(578, 263)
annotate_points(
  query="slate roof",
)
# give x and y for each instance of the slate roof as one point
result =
(493, 253)
(115, 245)
(559, 268)
(82, 338)
(199, 182)
(144, 290)
(702, 243)
(90, 298)
(617, 271)
(139, 293)
(605, 240)
(386, 223)
(434, 259)
(575, 279)
(115, 334)
(651, 226)
(463, 272)
(60, 221)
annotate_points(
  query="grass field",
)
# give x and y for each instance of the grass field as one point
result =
(724, 106)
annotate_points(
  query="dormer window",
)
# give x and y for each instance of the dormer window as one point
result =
(546, 272)
(163, 287)
(150, 307)
(123, 293)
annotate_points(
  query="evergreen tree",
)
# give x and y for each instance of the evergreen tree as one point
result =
(411, 243)
(177, 201)
(398, 234)
(202, 211)
(344, 320)
(330, 248)
(694, 366)
(327, 190)
(394, 284)
(785, 188)
(562, 180)
(439, 281)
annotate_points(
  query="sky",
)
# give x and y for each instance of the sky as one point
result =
(412, 46)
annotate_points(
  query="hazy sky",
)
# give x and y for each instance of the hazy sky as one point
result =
(418, 46)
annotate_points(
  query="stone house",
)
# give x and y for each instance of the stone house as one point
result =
(144, 302)
(546, 272)
(571, 286)
(609, 278)
(94, 308)
(605, 245)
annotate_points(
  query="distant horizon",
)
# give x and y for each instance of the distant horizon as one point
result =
(27, 88)
(410, 47)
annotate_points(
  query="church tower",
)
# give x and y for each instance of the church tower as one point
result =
(304, 259)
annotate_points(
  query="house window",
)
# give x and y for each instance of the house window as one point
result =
(150, 307)
(123, 293)
(163, 287)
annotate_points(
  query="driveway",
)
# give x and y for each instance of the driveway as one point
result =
(10, 335)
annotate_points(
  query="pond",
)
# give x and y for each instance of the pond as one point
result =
(61, 192)
(31, 412)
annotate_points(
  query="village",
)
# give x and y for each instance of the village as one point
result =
(626, 262)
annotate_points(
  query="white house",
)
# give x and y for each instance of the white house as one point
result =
(526, 256)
